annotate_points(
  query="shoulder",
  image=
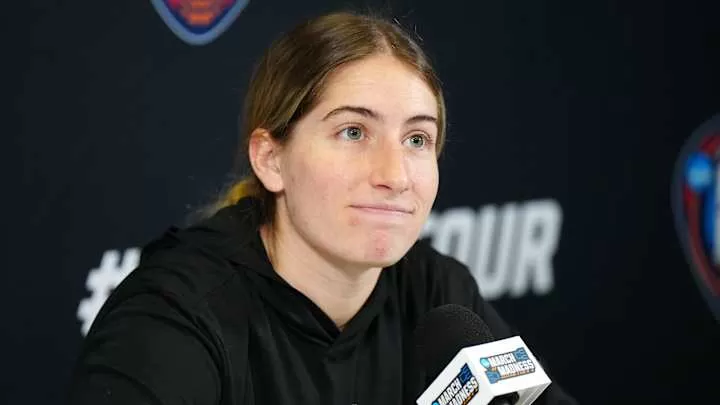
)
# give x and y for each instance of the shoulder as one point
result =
(183, 263)
(156, 329)
(186, 267)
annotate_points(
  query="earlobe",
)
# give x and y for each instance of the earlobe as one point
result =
(264, 154)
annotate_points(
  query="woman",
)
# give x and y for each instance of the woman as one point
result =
(303, 285)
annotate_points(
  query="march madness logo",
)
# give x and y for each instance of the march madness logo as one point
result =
(198, 22)
(507, 365)
(460, 390)
(696, 204)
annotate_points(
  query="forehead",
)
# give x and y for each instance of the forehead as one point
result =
(382, 82)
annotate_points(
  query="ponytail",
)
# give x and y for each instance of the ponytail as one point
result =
(247, 187)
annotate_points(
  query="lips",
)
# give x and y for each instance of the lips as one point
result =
(384, 208)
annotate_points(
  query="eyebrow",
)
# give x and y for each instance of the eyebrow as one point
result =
(375, 115)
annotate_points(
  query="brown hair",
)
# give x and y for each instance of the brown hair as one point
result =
(288, 81)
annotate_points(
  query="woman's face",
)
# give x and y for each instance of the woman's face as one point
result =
(359, 173)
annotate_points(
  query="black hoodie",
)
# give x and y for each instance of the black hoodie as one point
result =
(205, 319)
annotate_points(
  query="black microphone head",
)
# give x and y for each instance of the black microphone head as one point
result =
(442, 333)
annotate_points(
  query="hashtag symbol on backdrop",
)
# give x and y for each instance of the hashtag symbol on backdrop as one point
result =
(103, 280)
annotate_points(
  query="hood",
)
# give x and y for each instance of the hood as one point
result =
(232, 235)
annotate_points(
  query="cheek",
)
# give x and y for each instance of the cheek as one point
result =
(426, 179)
(317, 179)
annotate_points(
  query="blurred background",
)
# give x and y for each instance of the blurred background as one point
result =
(578, 181)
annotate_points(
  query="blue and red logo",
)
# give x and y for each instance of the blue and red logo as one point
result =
(696, 202)
(199, 22)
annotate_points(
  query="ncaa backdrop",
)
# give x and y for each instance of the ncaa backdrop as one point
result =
(578, 183)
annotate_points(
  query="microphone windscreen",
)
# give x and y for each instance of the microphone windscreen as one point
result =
(442, 333)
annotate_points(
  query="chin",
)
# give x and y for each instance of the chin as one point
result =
(380, 262)
(384, 254)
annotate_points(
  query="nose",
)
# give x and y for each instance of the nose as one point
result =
(390, 169)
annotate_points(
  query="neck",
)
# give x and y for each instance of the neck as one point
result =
(338, 290)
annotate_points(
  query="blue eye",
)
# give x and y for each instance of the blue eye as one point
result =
(352, 133)
(417, 141)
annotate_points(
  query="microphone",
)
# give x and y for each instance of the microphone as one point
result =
(472, 368)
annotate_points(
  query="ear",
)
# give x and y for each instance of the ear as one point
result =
(264, 154)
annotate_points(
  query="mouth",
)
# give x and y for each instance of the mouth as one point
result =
(385, 209)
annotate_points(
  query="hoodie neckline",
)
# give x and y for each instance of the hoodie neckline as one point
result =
(239, 224)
